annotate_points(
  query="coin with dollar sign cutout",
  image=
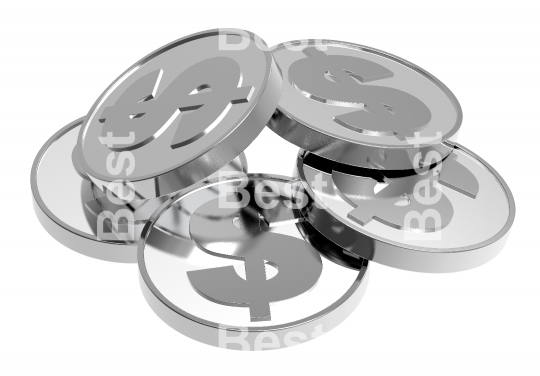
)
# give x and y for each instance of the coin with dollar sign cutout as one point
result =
(181, 113)
(82, 217)
(452, 217)
(238, 273)
(361, 106)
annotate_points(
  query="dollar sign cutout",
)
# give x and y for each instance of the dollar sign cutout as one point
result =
(397, 200)
(243, 234)
(213, 84)
(339, 81)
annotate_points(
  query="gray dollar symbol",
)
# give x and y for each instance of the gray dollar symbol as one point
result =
(212, 84)
(339, 81)
(247, 238)
(384, 205)
(397, 200)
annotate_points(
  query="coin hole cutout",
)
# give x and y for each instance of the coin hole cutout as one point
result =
(205, 88)
(330, 77)
(379, 187)
(271, 270)
(146, 99)
(403, 201)
(366, 108)
(136, 116)
(389, 108)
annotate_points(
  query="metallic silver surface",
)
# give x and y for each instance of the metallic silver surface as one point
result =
(142, 209)
(329, 249)
(77, 165)
(65, 204)
(454, 217)
(361, 106)
(180, 114)
(241, 276)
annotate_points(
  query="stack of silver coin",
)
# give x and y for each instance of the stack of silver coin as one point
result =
(155, 174)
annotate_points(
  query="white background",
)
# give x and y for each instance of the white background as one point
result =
(63, 313)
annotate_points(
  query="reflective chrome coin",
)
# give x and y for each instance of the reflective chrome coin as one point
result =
(237, 273)
(66, 206)
(329, 249)
(361, 106)
(453, 217)
(181, 113)
(142, 209)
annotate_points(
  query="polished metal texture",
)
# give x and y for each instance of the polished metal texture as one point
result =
(155, 174)
(142, 209)
(360, 106)
(329, 249)
(66, 205)
(234, 271)
(453, 217)
(180, 113)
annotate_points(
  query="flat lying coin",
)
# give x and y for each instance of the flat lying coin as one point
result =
(238, 273)
(361, 106)
(453, 217)
(181, 113)
(66, 207)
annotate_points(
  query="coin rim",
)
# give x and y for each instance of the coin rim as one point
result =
(155, 291)
(307, 129)
(328, 213)
(65, 234)
(269, 92)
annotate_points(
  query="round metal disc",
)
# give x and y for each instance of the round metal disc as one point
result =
(235, 271)
(66, 206)
(180, 113)
(454, 217)
(361, 106)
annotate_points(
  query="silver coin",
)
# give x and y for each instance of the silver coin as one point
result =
(65, 204)
(361, 106)
(181, 113)
(329, 249)
(142, 209)
(238, 274)
(453, 217)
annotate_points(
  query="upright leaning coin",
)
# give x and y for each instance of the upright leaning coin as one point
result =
(180, 113)
(361, 106)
